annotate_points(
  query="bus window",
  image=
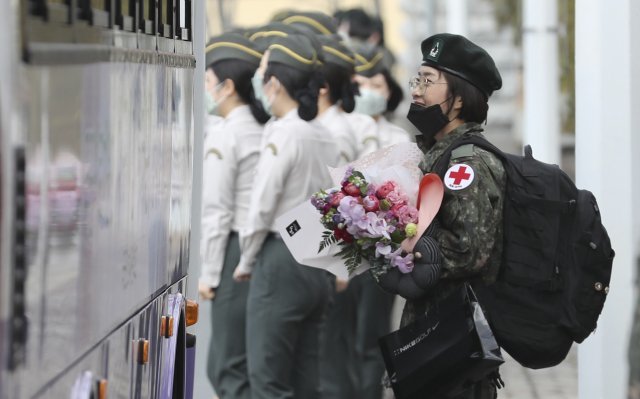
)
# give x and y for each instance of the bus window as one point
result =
(147, 16)
(125, 15)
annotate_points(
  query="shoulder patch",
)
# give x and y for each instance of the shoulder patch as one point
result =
(463, 151)
(370, 138)
(459, 176)
(214, 152)
(273, 149)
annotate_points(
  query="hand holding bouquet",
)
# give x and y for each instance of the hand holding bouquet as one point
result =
(369, 222)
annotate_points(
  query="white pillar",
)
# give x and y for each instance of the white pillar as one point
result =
(198, 34)
(541, 126)
(202, 387)
(607, 148)
(457, 17)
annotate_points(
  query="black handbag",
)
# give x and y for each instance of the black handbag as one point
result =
(443, 352)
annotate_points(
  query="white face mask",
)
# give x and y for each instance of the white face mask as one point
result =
(258, 92)
(370, 103)
(209, 103)
(212, 105)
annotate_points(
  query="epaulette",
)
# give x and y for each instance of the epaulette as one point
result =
(464, 151)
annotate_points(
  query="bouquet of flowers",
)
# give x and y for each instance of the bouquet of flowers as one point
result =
(368, 222)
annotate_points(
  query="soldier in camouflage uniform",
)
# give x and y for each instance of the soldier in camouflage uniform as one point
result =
(450, 97)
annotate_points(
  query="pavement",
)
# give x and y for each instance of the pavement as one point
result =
(560, 382)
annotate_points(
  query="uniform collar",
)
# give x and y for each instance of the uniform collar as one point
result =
(330, 113)
(293, 114)
(241, 110)
(433, 154)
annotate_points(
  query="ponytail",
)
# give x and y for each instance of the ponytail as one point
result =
(241, 72)
(341, 87)
(302, 86)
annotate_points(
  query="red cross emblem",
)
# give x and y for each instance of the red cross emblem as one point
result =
(458, 177)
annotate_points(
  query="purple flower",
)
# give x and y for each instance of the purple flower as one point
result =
(371, 189)
(376, 227)
(382, 249)
(347, 175)
(403, 263)
(351, 210)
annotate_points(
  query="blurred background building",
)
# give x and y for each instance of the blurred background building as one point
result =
(570, 91)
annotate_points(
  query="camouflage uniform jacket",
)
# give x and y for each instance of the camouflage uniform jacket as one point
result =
(470, 218)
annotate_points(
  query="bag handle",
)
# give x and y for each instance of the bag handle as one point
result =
(470, 293)
(463, 296)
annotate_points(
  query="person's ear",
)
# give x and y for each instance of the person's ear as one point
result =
(457, 103)
(275, 84)
(228, 88)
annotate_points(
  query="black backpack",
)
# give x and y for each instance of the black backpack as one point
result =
(556, 262)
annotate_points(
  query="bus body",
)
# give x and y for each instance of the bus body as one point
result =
(97, 153)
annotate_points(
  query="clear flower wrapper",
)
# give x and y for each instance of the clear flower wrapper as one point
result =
(368, 220)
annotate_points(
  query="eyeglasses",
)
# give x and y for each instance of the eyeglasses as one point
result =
(421, 83)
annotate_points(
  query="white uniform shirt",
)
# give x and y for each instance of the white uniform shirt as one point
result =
(232, 150)
(336, 123)
(366, 132)
(390, 134)
(292, 166)
(210, 124)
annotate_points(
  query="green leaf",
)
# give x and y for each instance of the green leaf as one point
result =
(328, 238)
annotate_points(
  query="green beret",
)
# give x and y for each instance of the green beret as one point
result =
(315, 22)
(334, 52)
(458, 56)
(265, 35)
(369, 61)
(296, 51)
(231, 46)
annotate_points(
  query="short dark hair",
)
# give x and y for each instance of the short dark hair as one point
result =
(341, 87)
(302, 86)
(396, 95)
(360, 23)
(241, 72)
(474, 102)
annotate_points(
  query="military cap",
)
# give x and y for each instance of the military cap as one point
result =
(231, 46)
(459, 56)
(296, 51)
(334, 52)
(315, 22)
(282, 14)
(369, 61)
(265, 35)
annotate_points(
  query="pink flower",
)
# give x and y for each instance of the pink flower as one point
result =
(371, 203)
(397, 198)
(351, 189)
(336, 198)
(405, 214)
(385, 189)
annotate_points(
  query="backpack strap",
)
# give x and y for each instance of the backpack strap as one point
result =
(442, 164)
(528, 169)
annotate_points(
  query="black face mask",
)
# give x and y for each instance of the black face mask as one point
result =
(428, 120)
